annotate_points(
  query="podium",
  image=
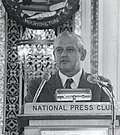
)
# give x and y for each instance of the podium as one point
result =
(68, 118)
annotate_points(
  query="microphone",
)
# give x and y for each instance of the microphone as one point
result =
(106, 86)
(96, 80)
(45, 78)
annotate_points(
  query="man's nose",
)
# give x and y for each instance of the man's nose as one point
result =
(64, 52)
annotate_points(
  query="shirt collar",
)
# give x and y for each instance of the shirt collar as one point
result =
(76, 77)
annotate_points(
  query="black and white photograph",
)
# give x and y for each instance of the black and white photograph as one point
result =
(59, 67)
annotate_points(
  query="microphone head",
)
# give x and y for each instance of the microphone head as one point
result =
(46, 76)
(93, 79)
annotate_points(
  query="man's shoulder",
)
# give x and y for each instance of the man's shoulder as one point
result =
(92, 79)
(35, 80)
(85, 74)
(54, 76)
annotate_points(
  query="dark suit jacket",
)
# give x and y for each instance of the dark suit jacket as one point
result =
(48, 91)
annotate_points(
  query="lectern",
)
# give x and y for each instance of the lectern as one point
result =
(68, 118)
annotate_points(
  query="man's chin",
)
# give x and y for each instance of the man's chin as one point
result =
(65, 70)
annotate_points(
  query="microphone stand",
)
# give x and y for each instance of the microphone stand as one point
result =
(39, 90)
(113, 113)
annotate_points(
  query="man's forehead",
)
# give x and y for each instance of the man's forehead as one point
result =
(65, 42)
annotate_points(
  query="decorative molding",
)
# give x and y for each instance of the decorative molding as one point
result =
(94, 36)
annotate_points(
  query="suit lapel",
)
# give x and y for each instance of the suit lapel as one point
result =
(83, 80)
(54, 83)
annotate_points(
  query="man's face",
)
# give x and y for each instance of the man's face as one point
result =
(67, 55)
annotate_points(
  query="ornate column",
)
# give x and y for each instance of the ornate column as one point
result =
(11, 105)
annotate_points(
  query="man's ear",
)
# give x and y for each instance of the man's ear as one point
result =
(83, 54)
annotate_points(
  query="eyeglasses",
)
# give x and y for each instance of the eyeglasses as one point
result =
(68, 50)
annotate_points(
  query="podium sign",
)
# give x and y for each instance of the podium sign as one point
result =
(68, 108)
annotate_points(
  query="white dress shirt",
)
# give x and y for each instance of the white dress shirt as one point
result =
(76, 79)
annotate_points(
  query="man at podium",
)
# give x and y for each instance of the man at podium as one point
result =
(69, 51)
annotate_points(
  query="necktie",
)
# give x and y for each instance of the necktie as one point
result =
(68, 83)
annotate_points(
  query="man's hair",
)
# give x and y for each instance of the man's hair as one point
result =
(66, 34)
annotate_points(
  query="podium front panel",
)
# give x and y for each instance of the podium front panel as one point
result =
(66, 131)
(68, 118)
